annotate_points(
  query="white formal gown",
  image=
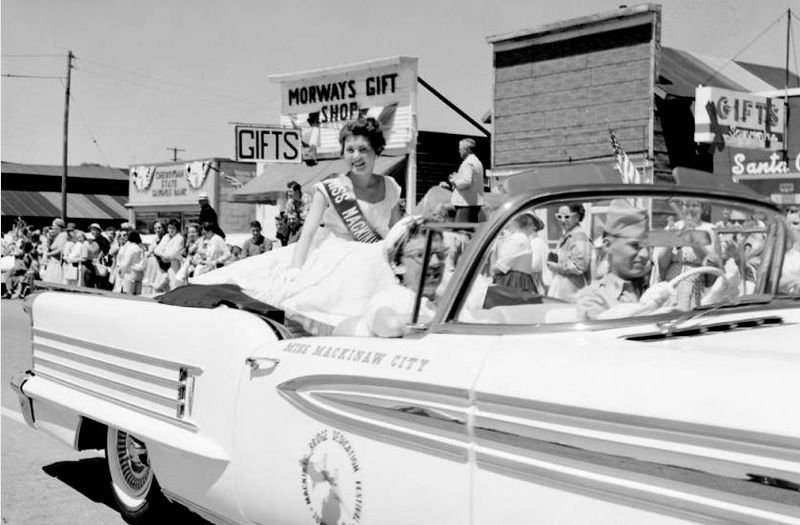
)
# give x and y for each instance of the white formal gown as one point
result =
(339, 277)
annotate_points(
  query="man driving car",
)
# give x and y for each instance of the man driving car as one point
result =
(628, 251)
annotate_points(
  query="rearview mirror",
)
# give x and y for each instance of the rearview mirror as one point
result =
(678, 238)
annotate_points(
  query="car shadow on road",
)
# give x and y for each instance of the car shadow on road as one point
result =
(89, 476)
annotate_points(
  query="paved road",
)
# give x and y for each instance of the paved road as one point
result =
(43, 481)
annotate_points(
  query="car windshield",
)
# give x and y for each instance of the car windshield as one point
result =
(629, 256)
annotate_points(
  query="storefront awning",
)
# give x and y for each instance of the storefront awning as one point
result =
(48, 204)
(269, 185)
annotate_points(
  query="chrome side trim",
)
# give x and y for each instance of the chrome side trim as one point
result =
(692, 471)
(116, 351)
(184, 423)
(782, 448)
(86, 360)
(430, 419)
(82, 374)
(642, 492)
(166, 385)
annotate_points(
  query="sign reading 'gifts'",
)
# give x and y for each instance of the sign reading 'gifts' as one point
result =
(736, 119)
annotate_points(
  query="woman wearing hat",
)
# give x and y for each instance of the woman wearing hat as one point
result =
(389, 312)
(53, 272)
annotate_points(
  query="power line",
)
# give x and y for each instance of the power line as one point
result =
(31, 56)
(11, 75)
(734, 57)
(170, 82)
(88, 129)
(165, 90)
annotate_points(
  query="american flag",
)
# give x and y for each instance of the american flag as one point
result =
(233, 181)
(629, 173)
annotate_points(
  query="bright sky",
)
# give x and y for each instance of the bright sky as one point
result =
(156, 74)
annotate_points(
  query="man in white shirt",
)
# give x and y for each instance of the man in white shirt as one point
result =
(467, 184)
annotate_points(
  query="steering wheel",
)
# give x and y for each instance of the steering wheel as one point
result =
(694, 271)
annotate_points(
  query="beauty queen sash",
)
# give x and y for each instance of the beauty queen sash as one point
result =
(344, 202)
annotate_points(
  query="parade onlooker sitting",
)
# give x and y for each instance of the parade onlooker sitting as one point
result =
(257, 243)
(130, 264)
(168, 253)
(213, 250)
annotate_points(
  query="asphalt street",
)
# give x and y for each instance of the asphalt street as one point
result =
(43, 481)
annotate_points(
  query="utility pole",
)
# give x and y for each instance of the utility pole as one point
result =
(175, 153)
(786, 90)
(70, 56)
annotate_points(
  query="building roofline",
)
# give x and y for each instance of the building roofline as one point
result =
(573, 23)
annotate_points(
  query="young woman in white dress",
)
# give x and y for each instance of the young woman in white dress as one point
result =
(328, 275)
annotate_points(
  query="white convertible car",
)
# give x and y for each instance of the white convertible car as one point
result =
(508, 406)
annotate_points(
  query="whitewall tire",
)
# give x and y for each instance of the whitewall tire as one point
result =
(132, 482)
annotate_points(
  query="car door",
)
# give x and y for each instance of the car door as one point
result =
(355, 429)
(578, 423)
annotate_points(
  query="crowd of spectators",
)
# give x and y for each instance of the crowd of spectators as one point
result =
(117, 258)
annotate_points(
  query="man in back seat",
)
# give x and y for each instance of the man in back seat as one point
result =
(623, 291)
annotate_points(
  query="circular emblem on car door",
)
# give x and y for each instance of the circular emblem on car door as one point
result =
(331, 479)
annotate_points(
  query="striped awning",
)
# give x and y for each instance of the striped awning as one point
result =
(48, 204)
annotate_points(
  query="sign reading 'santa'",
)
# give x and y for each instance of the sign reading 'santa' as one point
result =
(736, 119)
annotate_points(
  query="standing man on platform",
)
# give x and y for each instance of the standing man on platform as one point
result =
(207, 214)
(467, 184)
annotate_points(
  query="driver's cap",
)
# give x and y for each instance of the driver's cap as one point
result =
(625, 220)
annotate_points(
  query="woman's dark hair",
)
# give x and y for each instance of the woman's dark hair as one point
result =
(134, 236)
(294, 186)
(579, 209)
(208, 226)
(369, 128)
(174, 222)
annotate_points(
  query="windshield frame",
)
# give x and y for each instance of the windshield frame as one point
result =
(454, 296)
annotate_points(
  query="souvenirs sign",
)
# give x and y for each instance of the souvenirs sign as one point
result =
(736, 119)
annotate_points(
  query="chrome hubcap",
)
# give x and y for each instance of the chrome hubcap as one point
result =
(133, 463)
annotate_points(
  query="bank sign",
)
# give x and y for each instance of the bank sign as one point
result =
(319, 102)
(736, 119)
